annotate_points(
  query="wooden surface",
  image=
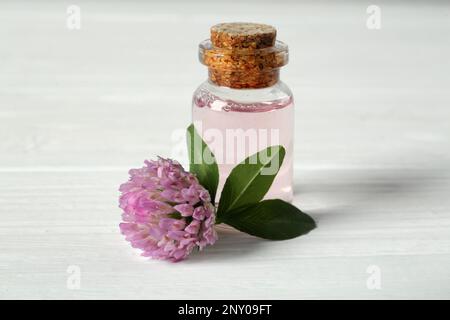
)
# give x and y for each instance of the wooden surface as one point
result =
(80, 107)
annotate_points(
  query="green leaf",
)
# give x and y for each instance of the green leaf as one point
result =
(250, 180)
(202, 162)
(271, 219)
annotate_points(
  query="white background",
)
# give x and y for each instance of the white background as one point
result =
(78, 108)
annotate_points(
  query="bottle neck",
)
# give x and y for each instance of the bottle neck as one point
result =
(220, 98)
(248, 79)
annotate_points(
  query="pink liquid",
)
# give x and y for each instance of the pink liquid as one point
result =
(234, 131)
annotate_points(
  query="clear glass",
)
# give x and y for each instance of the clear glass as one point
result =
(236, 123)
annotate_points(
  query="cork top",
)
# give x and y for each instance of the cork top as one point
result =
(243, 35)
(243, 55)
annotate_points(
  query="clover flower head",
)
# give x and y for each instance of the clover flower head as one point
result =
(166, 212)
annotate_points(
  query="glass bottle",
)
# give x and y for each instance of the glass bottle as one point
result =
(243, 107)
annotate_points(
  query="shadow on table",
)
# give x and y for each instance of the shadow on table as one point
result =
(353, 192)
(232, 244)
(344, 195)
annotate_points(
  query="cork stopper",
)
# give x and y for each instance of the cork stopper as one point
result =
(243, 55)
(243, 35)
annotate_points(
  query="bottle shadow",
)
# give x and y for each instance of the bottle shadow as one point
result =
(342, 194)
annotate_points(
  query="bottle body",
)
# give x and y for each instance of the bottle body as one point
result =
(236, 123)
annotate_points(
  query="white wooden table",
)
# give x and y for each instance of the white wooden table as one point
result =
(80, 107)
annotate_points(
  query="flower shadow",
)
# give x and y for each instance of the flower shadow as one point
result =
(231, 244)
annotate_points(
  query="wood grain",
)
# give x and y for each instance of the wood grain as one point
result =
(78, 108)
